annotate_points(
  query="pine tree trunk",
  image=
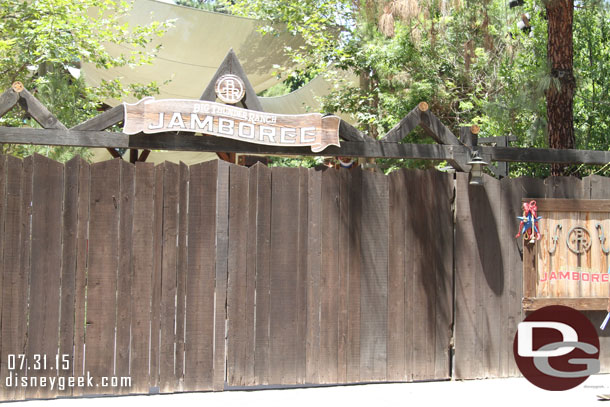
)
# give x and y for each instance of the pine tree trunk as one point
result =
(560, 95)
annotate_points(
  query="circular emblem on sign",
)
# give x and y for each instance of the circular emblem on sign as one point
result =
(556, 348)
(579, 240)
(230, 88)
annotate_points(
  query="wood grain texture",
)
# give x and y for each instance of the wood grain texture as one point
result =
(302, 268)
(222, 252)
(314, 253)
(45, 274)
(199, 337)
(169, 276)
(283, 279)
(237, 290)
(343, 271)
(102, 271)
(260, 180)
(141, 286)
(329, 277)
(354, 264)
(124, 274)
(181, 274)
(374, 277)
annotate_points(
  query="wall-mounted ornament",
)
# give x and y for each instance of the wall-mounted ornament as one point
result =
(578, 240)
(529, 222)
(602, 238)
(555, 238)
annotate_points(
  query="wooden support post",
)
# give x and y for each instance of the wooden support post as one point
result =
(9, 99)
(133, 155)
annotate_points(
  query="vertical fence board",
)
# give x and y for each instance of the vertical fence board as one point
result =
(261, 205)
(155, 320)
(141, 288)
(343, 271)
(124, 275)
(374, 277)
(199, 337)
(222, 252)
(167, 319)
(329, 277)
(283, 288)
(102, 271)
(237, 290)
(13, 291)
(80, 278)
(354, 264)
(441, 214)
(68, 266)
(250, 277)
(301, 283)
(397, 345)
(45, 266)
(314, 252)
(182, 265)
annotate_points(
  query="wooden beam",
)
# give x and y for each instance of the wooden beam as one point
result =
(350, 133)
(582, 304)
(434, 128)
(381, 149)
(133, 155)
(39, 112)
(8, 100)
(406, 125)
(571, 205)
(114, 153)
(144, 155)
(104, 120)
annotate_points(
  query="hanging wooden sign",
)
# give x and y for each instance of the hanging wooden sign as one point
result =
(570, 264)
(156, 116)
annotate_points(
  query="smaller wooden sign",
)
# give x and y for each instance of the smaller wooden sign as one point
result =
(570, 264)
(197, 116)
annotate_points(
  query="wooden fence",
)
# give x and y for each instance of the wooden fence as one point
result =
(212, 276)
(215, 276)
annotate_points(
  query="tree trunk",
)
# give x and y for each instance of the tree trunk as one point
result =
(560, 95)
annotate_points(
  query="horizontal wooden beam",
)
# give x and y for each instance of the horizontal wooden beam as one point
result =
(104, 120)
(182, 142)
(571, 205)
(582, 303)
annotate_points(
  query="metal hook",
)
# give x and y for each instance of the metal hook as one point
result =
(602, 238)
(555, 238)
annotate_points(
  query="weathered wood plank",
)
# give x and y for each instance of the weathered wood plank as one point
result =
(354, 264)
(374, 277)
(155, 318)
(8, 100)
(404, 127)
(222, 252)
(423, 274)
(141, 286)
(124, 274)
(102, 269)
(68, 265)
(583, 304)
(80, 279)
(260, 203)
(39, 112)
(181, 273)
(13, 294)
(199, 337)
(237, 290)
(104, 120)
(572, 204)
(465, 290)
(343, 271)
(183, 142)
(169, 275)
(350, 133)
(301, 333)
(314, 253)
(397, 344)
(45, 272)
(441, 215)
(283, 281)
(329, 277)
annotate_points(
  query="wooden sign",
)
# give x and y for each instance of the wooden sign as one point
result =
(196, 116)
(570, 264)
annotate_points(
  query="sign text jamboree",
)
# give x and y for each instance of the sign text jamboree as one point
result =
(157, 116)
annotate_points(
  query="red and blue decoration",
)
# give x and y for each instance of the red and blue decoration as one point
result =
(529, 222)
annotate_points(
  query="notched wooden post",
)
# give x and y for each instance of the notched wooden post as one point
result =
(9, 99)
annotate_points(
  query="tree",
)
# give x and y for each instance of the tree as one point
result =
(40, 40)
